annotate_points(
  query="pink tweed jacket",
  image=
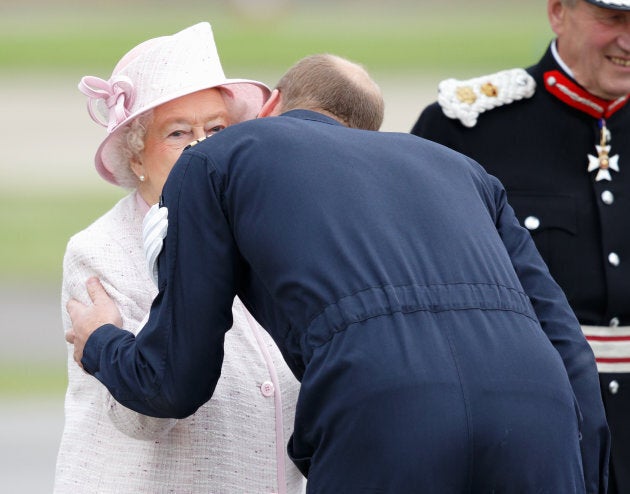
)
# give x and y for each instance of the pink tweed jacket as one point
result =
(235, 443)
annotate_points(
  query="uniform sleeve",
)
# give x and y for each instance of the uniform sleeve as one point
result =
(172, 366)
(82, 260)
(563, 330)
(425, 120)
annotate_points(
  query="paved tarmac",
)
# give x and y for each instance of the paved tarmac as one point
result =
(29, 437)
(48, 141)
(30, 427)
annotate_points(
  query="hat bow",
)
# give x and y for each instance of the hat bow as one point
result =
(117, 93)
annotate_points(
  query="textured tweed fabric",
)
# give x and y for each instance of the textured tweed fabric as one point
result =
(228, 446)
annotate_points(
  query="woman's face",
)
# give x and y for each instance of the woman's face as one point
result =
(175, 125)
(595, 43)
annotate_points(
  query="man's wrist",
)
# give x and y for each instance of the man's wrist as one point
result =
(94, 346)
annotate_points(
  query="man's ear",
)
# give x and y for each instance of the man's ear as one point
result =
(556, 13)
(271, 108)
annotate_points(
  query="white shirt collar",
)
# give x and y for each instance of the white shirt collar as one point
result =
(556, 55)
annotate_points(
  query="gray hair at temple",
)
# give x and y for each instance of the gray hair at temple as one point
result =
(333, 85)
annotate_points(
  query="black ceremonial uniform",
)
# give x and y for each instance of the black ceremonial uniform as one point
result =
(576, 206)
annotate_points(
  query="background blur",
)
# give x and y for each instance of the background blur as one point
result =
(49, 189)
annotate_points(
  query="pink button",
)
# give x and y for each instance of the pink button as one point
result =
(267, 388)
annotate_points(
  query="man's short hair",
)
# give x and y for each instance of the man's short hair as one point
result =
(336, 86)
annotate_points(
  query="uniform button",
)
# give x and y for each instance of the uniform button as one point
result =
(531, 223)
(613, 387)
(551, 81)
(614, 322)
(608, 197)
(267, 388)
(613, 259)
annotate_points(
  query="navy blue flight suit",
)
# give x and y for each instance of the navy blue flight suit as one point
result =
(435, 352)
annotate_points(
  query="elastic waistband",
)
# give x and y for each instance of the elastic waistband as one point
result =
(389, 299)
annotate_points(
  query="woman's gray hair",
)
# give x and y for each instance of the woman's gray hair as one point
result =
(130, 145)
(131, 137)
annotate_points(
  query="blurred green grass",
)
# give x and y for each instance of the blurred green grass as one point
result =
(453, 38)
(42, 379)
(399, 36)
(36, 226)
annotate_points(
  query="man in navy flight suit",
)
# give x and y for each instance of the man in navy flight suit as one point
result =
(436, 354)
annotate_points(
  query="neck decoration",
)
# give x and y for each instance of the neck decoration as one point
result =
(603, 162)
(577, 97)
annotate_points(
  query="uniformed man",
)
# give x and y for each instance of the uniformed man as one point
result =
(558, 136)
(435, 352)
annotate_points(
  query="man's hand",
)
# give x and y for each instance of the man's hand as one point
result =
(87, 318)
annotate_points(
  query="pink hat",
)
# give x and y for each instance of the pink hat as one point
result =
(155, 72)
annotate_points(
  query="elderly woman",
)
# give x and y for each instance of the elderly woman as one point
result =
(163, 94)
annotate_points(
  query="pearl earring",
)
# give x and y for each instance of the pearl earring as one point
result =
(141, 177)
